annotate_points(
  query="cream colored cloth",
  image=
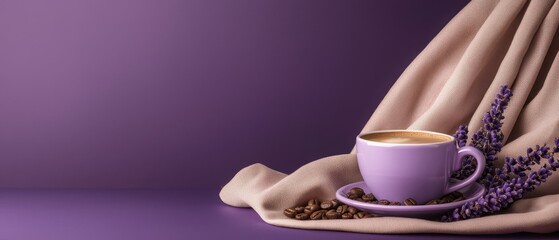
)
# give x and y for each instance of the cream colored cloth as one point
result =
(452, 82)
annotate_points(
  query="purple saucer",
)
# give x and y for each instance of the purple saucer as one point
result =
(471, 192)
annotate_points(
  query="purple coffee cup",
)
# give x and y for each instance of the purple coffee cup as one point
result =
(401, 164)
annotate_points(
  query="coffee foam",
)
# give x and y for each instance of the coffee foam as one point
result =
(406, 137)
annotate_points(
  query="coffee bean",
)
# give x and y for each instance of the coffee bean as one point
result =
(358, 192)
(299, 209)
(359, 215)
(314, 207)
(352, 196)
(368, 197)
(318, 215)
(311, 208)
(395, 203)
(302, 216)
(326, 205)
(383, 202)
(410, 202)
(313, 202)
(332, 214)
(335, 203)
(352, 210)
(290, 212)
(342, 209)
(432, 202)
(347, 216)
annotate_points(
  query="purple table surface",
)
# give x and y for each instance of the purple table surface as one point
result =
(155, 214)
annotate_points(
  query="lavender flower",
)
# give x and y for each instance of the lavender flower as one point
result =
(515, 178)
(510, 183)
(468, 166)
(488, 139)
(461, 135)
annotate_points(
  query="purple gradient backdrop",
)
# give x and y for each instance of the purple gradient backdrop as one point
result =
(182, 94)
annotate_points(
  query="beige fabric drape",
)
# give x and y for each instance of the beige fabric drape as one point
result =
(452, 82)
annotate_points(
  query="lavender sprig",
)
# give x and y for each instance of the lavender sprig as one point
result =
(468, 166)
(515, 178)
(461, 135)
(488, 139)
(514, 182)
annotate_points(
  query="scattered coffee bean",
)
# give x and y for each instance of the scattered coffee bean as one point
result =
(342, 209)
(410, 202)
(335, 203)
(290, 212)
(369, 197)
(302, 216)
(313, 202)
(432, 202)
(314, 208)
(318, 215)
(351, 196)
(311, 208)
(332, 214)
(334, 209)
(360, 215)
(326, 205)
(357, 191)
(331, 209)
(383, 202)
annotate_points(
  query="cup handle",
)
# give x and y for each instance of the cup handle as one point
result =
(463, 152)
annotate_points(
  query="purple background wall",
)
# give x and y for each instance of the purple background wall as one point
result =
(182, 94)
